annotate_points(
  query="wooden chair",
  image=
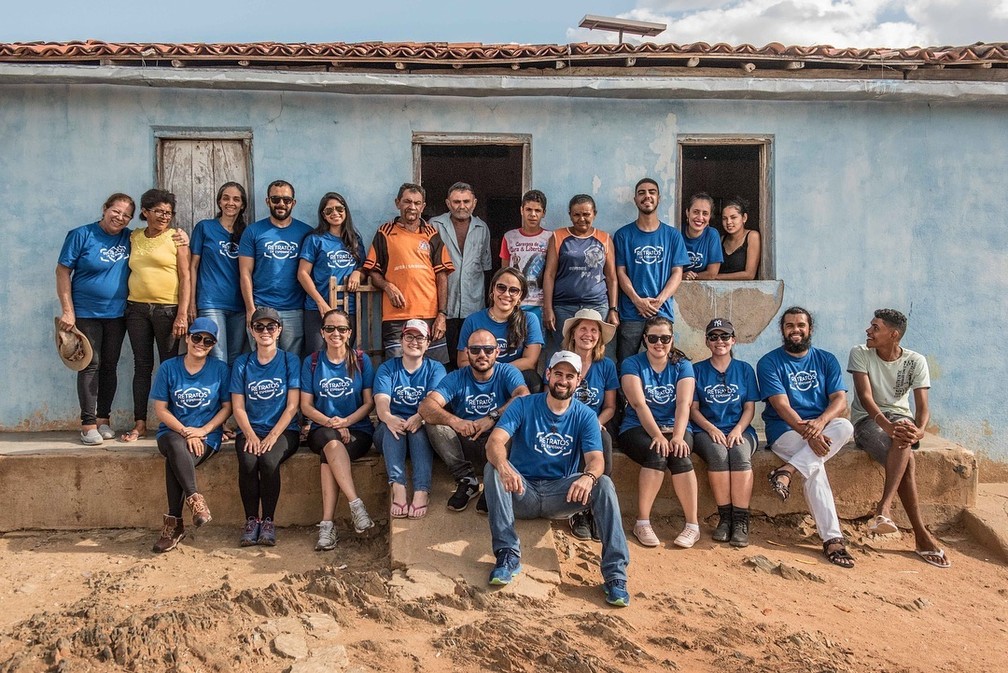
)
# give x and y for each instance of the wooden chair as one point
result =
(366, 320)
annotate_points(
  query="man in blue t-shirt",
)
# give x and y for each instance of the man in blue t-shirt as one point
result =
(550, 434)
(268, 256)
(464, 407)
(650, 256)
(804, 391)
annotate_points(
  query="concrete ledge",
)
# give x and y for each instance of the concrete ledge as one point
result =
(988, 520)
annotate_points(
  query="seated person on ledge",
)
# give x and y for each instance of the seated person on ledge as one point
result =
(550, 433)
(884, 373)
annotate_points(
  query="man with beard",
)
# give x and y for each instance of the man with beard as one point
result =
(804, 392)
(409, 263)
(551, 436)
(650, 256)
(267, 266)
(463, 409)
(467, 239)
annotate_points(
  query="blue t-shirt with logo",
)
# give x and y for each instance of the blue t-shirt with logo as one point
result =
(722, 397)
(545, 445)
(808, 382)
(276, 251)
(659, 389)
(193, 399)
(704, 250)
(336, 393)
(482, 320)
(99, 270)
(648, 257)
(601, 377)
(405, 389)
(265, 387)
(472, 400)
(329, 257)
(217, 284)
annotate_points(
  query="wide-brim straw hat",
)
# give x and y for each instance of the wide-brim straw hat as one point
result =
(73, 347)
(608, 329)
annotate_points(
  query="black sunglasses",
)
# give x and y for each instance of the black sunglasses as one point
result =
(511, 290)
(287, 200)
(720, 337)
(270, 327)
(655, 338)
(329, 329)
(204, 339)
(476, 350)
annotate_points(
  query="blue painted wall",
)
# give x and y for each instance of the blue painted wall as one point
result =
(875, 204)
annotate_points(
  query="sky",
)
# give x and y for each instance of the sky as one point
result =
(840, 23)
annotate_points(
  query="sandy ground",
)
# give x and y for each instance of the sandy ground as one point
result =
(101, 601)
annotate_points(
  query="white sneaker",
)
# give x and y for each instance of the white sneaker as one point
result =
(91, 438)
(687, 538)
(106, 431)
(361, 519)
(645, 535)
(327, 537)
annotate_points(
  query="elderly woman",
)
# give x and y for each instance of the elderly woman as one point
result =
(658, 385)
(703, 244)
(158, 302)
(519, 333)
(265, 393)
(213, 271)
(336, 386)
(399, 385)
(333, 250)
(91, 283)
(740, 247)
(587, 335)
(191, 400)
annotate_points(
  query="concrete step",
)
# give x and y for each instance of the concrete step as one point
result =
(987, 521)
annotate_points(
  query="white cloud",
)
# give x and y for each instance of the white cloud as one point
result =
(840, 23)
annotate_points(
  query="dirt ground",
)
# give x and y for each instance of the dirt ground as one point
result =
(101, 601)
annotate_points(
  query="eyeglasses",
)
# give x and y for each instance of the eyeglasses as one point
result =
(163, 214)
(286, 200)
(486, 350)
(511, 290)
(655, 338)
(412, 337)
(204, 339)
(720, 337)
(342, 329)
(333, 209)
(270, 327)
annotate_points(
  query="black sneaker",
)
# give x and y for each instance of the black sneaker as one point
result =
(724, 526)
(466, 491)
(580, 526)
(481, 504)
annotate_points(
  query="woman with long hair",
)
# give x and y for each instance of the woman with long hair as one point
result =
(333, 250)
(213, 272)
(658, 384)
(703, 244)
(519, 333)
(336, 386)
(740, 246)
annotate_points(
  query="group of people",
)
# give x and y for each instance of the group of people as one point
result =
(265, 346)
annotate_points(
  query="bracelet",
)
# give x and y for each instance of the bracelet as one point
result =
(593, 478)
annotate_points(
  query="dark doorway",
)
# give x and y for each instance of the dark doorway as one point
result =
(496, 173)
(723, 171)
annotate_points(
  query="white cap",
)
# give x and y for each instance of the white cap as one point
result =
(416, 325)
(573, 359)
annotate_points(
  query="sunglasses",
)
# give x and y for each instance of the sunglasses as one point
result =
(655, 338)
(486, 350)
(342, 329)
(270, 327)
(286, 200)
(720, 337)
(333, 209)
(502, 288)
(204, 339)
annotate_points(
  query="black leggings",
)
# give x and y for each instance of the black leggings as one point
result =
(180, 469)
(635, 442)
(259, 476)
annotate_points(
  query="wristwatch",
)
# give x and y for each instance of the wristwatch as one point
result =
(494, 415)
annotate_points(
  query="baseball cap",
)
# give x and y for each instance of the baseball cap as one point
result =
(203, 325)
(266, 313)
(573, 359)
(416, 326)
(720, 325)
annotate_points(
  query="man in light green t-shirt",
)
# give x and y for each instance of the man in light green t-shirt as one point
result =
(884, 375)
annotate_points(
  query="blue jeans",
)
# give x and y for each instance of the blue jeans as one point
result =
(547, 499)
(292, 336)
(230, 328)
(420, 453)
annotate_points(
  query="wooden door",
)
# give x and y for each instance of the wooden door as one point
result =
(194, 168)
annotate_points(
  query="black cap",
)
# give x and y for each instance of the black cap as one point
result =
(266, 313)
(720, 325)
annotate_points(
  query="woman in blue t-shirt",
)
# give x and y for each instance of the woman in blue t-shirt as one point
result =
(213, 271)
(587, 335)
(190, 395)
(658, 385)
(333, 250)
(703, 244)
(519, 333)
(400, 384)
(91, 283)
(265, 386)
(723, 408)
(336, 397)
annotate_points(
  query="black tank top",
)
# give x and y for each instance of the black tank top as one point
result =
(735, 262)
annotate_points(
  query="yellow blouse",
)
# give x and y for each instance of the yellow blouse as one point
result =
(153, 267)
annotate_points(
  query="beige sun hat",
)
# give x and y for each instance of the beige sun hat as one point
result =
(73, 347)
(608, 329)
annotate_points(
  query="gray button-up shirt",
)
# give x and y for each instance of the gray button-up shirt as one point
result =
(465, 283)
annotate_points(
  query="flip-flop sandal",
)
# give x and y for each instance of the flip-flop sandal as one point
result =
(882, 525)
(417, 511)
(398, 510)
(782, 490)
(936, 558)
(839, 557)
(132, 436)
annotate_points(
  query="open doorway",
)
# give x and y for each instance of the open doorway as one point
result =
(498, 166)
